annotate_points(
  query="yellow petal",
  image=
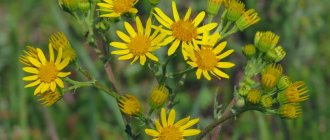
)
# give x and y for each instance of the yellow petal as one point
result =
(33, 84)
(130, 29)
(199, 73)
(220, 73)
(139, 25)
(53, 86)
(37, 90)
(190, 123)
(206, 75)
(158, 126)
(163, 16)
(225, 54)
(123, 36)
(126, 57)
(152, 57)
(59, 82)
(207, 27)
(162, 21)
(30, 78)
(63, 74)
(148, 27)
(143, 59)
(199, 18)
(151, 132)
(192, 64)
(59, 56)
(225, 65)
(120, 52)
(45, 87)
(119, 45)
(63, 64)
(220, 47)
(51, 52)
(41, 56)
(173, 47)
(182, 121)
(171, 117)
(175, 11)
(188, 14)
(163, 117)
(34, 62)
(191, 132)
(31, 70)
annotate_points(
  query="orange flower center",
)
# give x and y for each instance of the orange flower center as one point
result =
(122, 6)
(170, 133)
(48, 72)
(206, 59)
(139, 45)
(184, 30)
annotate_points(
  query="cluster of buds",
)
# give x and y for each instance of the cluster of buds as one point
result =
(275, 92)
(72, 6)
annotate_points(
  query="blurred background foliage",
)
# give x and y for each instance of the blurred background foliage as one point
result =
(89, 114)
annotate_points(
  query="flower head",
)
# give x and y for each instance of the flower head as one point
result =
(249, 50)
(49, 97)
(68, 5)
(207, 58)
(168, 130)
(276, 54)
(30, 52)
(266, 40)
(271, 75)
(116, 8)
(138, 45)
(266, 101)
(253, 96)
(129, 105)
(235, 9)
(284, 82)
(250, 17)
(290, 111)
(296, 92)
(59, 40)
(158, 96)
(182, 30)
(47, 74)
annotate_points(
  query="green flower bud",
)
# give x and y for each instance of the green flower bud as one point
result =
(243, 90)
(240, 103)
(284, 82)
(235, 9)
(266, 101)
(248, 19)
(249, 50)
(276, 54)
(84, 5)
(213, 7)
(266, 40)
(153, 2)
(68, 5)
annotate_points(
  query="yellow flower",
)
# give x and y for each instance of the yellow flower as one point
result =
(158, 96)
(250, 17)
(138, 45)
(290, 111)
(182, 30)
(116, 8)
(271, 75)
(266, 40)
(129, 105)
(59, 40)
(276, 54)
(46, 74)
(284, 82)
(295, 93)
(254, 96)
(168, 130)
(207, 58)
(235, 9)
(249, 50)
(49, 97)
(30, 52)
(213, 6)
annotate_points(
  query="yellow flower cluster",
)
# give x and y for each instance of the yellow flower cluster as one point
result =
(46, 73)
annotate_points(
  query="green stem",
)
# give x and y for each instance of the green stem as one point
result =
(232, 31)
(224, 30)
(180, 73)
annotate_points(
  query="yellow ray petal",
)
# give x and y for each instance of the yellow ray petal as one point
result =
(37, 82)
(171, 117)
(188, 14)
(220, 73)
(206, 75)
(63, 74)
(63, 64)
(119, 45)
(152, 57)
(225, 54)
(225, 65)
(51, 52)
(191, 132)
(220, 47)
(34, 62)
(207, 27)
(41, 56)
(199, 73)
(31, 70)
(163, 117)
(175, 11)
(130, 29)
(126, 57)
(139, 25)
(59, 82)
(151, 132)
(199, 18)
(31, 78)
(190, 123)
(59, 56)
(163, 16)
(143, 59)
(182, 121)
(173, 47)
(123, 36)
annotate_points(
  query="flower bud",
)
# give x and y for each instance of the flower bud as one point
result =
(290, 111)
(129, 105)
(295, 93)
(158, 96)
(68, 5)
(213, 7)
(271, 75)
(249, 51)
(284, 82)
(248, 19)
(240, 103)
(84, 5)
(276, 54)
(235, 9)
(153, 2)
(266, 40)
(266, 101)
(254, 96)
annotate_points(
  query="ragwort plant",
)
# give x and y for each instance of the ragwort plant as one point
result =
(201, 45)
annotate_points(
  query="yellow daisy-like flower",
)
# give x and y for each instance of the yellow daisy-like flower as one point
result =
(129, 105)
(271, 75)
(138, 45)
(296, 92)
(116, 8)
(59, 40)
(158, 96)
(168, 130)
(290, 111)
(182, 30)
(30, 52)
(208, 58)
(46, 74)
(49, 98)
